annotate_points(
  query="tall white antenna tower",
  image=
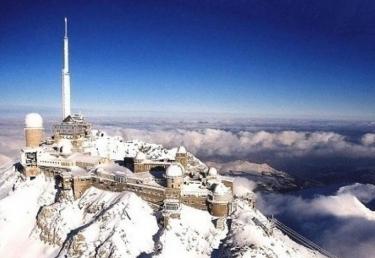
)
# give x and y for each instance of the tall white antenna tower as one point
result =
(66, 75)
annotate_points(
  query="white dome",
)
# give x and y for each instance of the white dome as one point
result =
(181, 150)
(65, 146)
(174, 170)
(212, 171)
(221, 189)
(33, 120)
(140, 156)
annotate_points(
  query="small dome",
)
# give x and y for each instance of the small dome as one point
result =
(140, 156)
(33, 120)
(174, 170)
(221, 189)
(212, 171)
(65, 146)
(181, 150)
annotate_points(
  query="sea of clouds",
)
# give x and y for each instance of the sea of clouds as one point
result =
(340, 222)
(221, 143)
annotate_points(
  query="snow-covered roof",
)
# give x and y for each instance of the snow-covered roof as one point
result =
(33, 120)
(212, 171)
(65, 146)
(80, 157)
(181, 150)
(221, 189)
(114, 169)
(174, 170)
(77, 171)
(192, 188)
(140, 156)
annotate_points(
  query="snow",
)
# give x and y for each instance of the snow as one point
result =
(243, 186)
(65, 146)
(33, 120)
(79, 157)
(78, 171)
(17, 219)
(7, 177)
(140, 156)
(120, 224)
(221, 189)
(192, 188)
(212, 172)
(174, 170)
(114, 169)
(194, 235)
(252, 240)
(181, 150)
(4, 159)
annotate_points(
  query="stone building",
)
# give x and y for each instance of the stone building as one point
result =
(220, 201)
(73, 128)
(181, 156)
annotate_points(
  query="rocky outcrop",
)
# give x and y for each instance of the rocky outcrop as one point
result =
(99, 224)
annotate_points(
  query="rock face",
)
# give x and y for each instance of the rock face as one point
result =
(99, 224)
(55, 221)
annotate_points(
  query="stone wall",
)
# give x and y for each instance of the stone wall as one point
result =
(182, 159)
(198, 202)
(219, 209)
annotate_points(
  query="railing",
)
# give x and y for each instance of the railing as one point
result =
(300, 239)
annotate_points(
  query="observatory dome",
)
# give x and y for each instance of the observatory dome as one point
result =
(212, 171)
(140, 156)
(181, 150)
(174, 170)
(33, 120)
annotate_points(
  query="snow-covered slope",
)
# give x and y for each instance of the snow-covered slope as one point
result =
(194, 235)
(251, 235)
(18, 211)
(37, 220)
(266, 177)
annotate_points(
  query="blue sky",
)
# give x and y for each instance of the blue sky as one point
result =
(292, 59)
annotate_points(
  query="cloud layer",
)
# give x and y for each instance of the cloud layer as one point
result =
(222, 143)
(335, 218)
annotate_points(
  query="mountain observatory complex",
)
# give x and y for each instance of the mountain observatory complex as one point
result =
(78, 157)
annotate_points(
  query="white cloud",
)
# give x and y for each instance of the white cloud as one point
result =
(341, 205)
(243, 186)
(368, 139)
(344, 225)
(364, 192)
(216, 142)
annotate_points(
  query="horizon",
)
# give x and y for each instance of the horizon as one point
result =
(227, 60)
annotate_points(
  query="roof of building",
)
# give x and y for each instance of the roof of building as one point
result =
(140, 156)
(174, 170)
(33, 120)
(181, 150)
(221, 189)
(114, 169)
(74, 118)
(80, 157)
(77, 171)
(194, 188)
(65, 146)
